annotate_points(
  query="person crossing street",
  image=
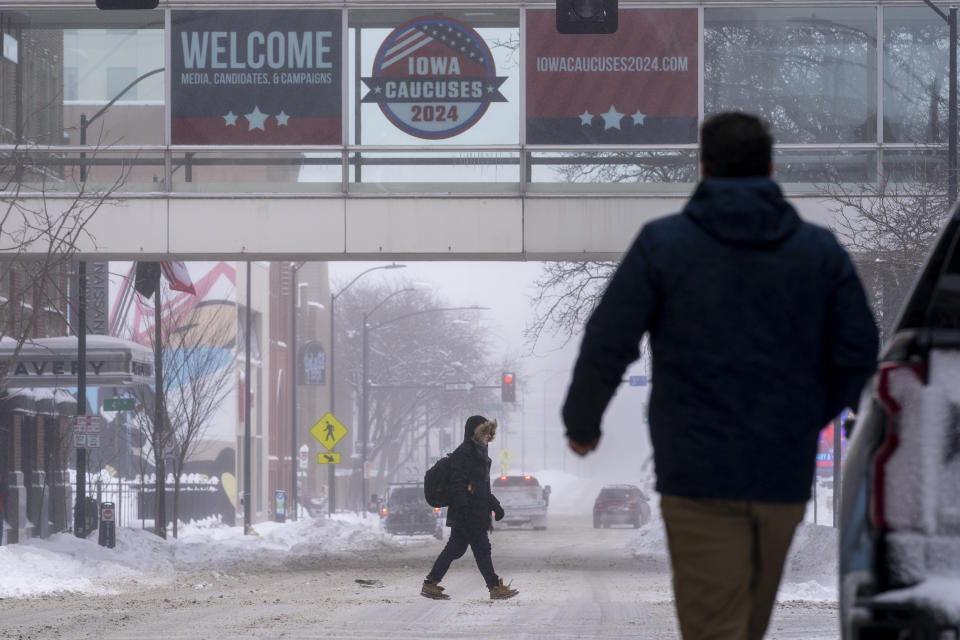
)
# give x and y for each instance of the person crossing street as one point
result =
(468, 516)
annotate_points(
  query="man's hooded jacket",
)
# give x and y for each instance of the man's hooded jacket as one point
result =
(760, 332)
(471, 500)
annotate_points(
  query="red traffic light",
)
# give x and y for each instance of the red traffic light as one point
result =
(508, 392)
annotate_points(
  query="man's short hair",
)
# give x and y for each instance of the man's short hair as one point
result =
(735, 145)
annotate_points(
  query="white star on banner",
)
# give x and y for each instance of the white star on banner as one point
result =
(231, 119)
(282, 119)
(256, 118)
(611, 119)
(638, 118)
(586, 118)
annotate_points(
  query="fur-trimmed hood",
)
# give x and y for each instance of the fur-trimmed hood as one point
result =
(478, 426)
(487, 427)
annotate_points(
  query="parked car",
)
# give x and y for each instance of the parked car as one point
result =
(899, 543)
(316, 505)
(523, 500)
(405, 511)
(621, 504)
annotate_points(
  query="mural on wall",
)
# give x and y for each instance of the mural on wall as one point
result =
(212, 308)
(433, 77)
(636, 86)
(255, 77)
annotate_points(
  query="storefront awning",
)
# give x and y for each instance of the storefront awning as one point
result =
(53, 362)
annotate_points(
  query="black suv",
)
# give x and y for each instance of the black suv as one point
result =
(404, 510)
(900, 511)
(621, 504)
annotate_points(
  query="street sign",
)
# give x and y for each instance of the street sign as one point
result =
(86, 440)
(86, 424)
(458, 386)
(118, 404)
(328, 458)
(303, 456)
(328, 431)
(638, 381)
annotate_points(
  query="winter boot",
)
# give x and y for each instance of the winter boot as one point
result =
(433, 591)
(502, 591)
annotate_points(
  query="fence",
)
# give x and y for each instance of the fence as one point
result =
(135, 500)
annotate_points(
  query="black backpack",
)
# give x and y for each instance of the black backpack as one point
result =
(436, 483)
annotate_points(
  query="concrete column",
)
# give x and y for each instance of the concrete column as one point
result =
(61, 500)
(15, 503)
(38, 501)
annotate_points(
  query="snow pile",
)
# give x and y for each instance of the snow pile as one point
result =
(66, 563)
(811, 569)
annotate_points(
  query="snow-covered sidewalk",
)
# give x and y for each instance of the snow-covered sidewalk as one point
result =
(64, 562)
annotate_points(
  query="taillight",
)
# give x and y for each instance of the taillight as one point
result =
(892, 439)
(436, 510)
(383, 511)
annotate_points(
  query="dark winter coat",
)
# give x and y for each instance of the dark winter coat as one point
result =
(470, 466)
(760, 333)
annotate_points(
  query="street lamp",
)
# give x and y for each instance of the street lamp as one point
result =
(365, 381)
(363, 403)
(332, 477)
(294, 457)
(86, 122)
(81, 331)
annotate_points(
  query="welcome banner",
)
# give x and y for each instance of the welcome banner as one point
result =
(636, 86)
(267, 77)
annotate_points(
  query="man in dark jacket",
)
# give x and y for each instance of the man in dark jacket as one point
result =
(761, 334)
(468, 515)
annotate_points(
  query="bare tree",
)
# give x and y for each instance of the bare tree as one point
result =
(566, 294)
(889, 228)
(198, 355)
(45, 213)
(416, 343)
(198, 350)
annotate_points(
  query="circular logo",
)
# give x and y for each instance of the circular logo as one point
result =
(107, 515)
(434, 77)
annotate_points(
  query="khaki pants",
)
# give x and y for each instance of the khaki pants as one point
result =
(727, 558)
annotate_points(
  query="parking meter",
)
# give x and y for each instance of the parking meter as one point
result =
(280, 506)
(108, 530)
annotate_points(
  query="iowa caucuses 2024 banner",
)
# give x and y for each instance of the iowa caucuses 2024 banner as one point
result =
(636, 86)
(255, 77)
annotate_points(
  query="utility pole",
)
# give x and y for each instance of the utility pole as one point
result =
(79, 510)
(247, 512)
(159, 424)
(294, 454)
(332, 477)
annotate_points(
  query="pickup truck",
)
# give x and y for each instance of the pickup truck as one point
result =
(523, 500)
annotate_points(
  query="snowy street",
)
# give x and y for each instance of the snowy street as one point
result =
(300, 580)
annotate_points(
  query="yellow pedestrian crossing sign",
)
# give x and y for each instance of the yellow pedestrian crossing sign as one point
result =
(328, 458)
(328, 431)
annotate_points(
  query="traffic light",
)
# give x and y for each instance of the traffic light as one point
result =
(586, 16)
(110, 5)
(508, 388)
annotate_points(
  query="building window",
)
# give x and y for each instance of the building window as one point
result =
(118, 78)
(811, 72)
